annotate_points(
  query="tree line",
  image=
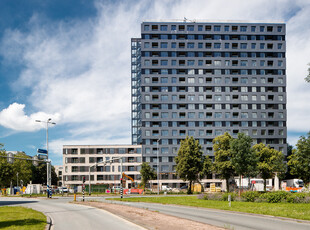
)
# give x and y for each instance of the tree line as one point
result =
(237, 157)
(22, 170)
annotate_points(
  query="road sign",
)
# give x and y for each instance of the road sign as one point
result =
(42, 156)
(44, 151)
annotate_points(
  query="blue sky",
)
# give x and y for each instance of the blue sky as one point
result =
(70, 61)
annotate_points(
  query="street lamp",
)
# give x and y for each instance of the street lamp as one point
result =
(158, 167)
(48, 171)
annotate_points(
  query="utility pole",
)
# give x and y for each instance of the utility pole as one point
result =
(48, 164)
(158, 167)
(121, 161)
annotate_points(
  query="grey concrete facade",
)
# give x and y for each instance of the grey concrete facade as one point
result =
(202, 79)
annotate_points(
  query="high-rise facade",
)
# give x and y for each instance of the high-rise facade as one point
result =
(202, 79)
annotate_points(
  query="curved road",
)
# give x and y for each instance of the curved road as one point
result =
(226, 219)
(71, 216)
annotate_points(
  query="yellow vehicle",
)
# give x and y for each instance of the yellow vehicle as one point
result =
(130, 178)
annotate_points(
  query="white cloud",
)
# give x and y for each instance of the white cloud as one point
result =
(15, 118)
(81, 69)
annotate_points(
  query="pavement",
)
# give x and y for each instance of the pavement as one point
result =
(65, 216)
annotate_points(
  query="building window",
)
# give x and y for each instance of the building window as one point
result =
(243, 28)
(217, 115)
(163, 28)
(191, 80)
(217, 46)
(190, 28)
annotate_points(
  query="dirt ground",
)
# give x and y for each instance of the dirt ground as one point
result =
(150, 219)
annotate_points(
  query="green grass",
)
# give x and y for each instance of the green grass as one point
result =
(20, 218)
(296, 211)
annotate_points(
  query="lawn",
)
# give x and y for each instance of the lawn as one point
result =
(20, 218)
(289, 210)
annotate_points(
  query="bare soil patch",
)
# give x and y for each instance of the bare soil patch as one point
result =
(150, 219)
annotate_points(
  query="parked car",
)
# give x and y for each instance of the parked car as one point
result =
(184, 187)
(55, 190)
(116, 188)
(63, 189)
(166, 188)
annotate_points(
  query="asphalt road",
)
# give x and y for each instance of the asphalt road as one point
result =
(71, 216)
(66, 216)
(226, 219)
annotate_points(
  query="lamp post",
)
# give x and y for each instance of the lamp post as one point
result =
(89, 192)
(48, 171)
(158, 167)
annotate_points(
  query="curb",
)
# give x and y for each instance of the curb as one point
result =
(49, 222)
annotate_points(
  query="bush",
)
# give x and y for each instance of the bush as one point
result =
(250, 196)
(255, 196)
(225, 196)
(297, 198)
(217, 196)
(213, 196)
(275, 197)
(201, 197)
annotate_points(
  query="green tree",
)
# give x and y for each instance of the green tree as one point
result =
(22, 168)
(6, 169)
(207, 166)
(243, 158)
(299, 161)
(189, 161)
(290, 150)
(222, 154)
(39, 174)
(270, 161)
(147, 173)
(307, 79)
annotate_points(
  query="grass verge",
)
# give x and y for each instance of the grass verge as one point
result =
(297, 211)
(20, 218)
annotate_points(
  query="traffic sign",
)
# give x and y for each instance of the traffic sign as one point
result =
(44, 151)
(42, 156)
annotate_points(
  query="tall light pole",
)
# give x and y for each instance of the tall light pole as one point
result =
(48, 171)
(158, 167)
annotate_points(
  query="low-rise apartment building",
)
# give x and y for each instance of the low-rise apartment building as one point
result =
(94, 162)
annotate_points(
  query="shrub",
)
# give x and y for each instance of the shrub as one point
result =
(201, 197)
(276, 197)
(296, 198)
(250, 196)
(225, 196)
(213, 196)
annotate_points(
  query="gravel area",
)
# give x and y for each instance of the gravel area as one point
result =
(150, 219)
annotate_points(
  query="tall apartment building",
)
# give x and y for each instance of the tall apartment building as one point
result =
(202, 79)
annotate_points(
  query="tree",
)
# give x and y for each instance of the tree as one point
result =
(307, 79)
(270, 161)
(6, 169)
(147, 173)
(299, 161)
(290, 150)
(189, 161)
(243, 158)
(39, 174)
(23, 168)
(222, 154)
(207, 166)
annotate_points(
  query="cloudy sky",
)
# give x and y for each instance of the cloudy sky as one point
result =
(70, 61)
